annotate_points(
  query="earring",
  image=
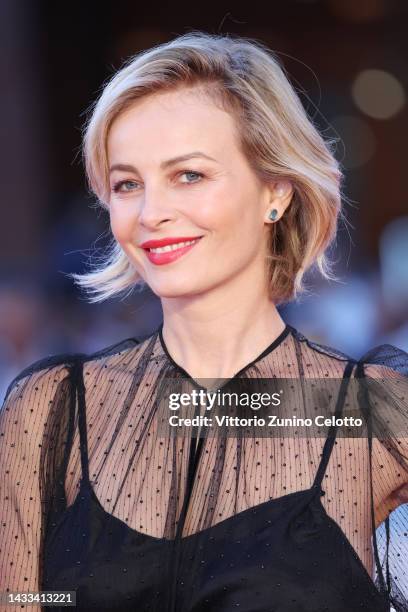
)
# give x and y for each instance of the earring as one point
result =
(273, 215)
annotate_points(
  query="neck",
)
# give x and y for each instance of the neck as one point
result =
(217, 333)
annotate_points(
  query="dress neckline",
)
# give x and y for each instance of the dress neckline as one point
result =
(271, 347)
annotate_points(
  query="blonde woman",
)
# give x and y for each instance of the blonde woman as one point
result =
(221, 195)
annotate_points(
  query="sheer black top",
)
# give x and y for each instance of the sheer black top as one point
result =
(95, 499)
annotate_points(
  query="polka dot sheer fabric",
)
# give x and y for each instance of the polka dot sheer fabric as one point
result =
(94, 499)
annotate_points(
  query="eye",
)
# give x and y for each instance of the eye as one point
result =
(117, 186)
(191, 172)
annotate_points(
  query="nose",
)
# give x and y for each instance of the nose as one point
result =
(155, 209)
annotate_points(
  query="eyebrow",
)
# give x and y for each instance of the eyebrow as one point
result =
(164, 164)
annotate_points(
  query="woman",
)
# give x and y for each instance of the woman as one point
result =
(221, 194)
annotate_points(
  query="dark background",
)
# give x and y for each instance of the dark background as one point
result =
(348, 62)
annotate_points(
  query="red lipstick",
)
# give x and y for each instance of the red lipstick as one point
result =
(154, 244)
(166, 256)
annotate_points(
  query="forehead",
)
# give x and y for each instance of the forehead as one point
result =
(167, 121)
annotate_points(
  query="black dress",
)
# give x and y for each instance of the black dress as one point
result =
(96, 499)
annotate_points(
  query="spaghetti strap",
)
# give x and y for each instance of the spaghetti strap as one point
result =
(78, 379)
(331, 436)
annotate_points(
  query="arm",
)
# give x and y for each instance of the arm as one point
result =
(389, 480)
(383, 395)
(23, 418)
(389, 398)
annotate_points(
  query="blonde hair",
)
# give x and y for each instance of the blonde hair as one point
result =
(276, 135)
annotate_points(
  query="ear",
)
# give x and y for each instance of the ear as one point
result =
(280, 196)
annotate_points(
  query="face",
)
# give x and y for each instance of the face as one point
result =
(211, 197)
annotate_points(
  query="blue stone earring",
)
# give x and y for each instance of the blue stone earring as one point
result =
(273, 215)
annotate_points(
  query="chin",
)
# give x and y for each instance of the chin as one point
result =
(175, 289)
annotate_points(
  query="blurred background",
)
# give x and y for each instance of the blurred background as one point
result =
(348, 62)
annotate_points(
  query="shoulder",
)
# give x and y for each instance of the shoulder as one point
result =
(59, 366)
(383, 359)
(53, 366)
(382, 395)
(321, 359)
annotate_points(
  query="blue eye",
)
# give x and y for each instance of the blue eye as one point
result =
(193, 173)
(117, 186)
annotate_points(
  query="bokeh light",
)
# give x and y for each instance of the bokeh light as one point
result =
(378, 94)
(358, 140)
(394, 264)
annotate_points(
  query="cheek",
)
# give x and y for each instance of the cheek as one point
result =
(219, 210)
(233, 217)
(122, 223)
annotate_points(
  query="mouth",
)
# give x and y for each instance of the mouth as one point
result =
(160, 255)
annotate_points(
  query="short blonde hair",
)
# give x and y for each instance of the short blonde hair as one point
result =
(276, 135)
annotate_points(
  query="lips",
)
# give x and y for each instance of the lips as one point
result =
(154, 244)
(167, 250)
